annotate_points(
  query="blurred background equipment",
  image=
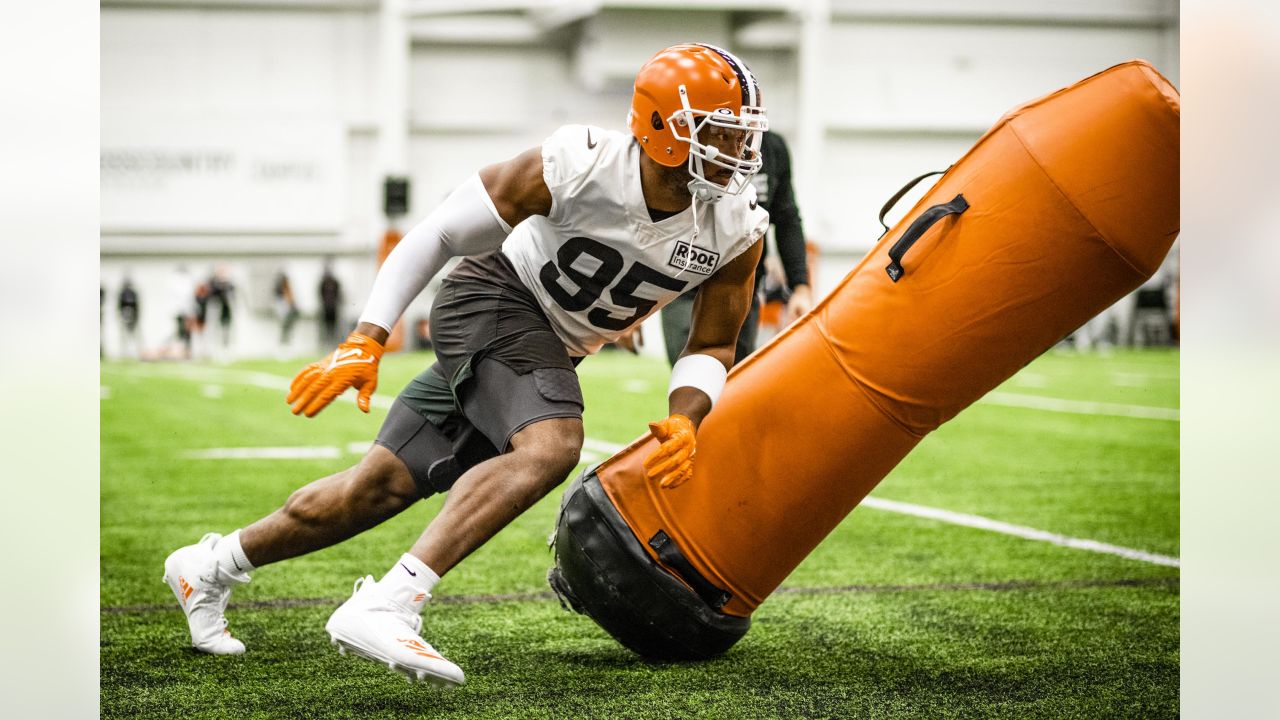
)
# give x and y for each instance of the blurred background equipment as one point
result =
(264, 135)
(395, 205)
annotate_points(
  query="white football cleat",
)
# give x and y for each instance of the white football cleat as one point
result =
(203, 591)
(375, 626)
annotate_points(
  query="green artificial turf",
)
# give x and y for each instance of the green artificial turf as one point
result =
(891, 616)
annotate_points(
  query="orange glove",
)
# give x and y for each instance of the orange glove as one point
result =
(672, 463)
(353, 364)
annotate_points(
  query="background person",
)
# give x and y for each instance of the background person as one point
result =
(286, 308)
(330, 304)
(129, 309)
(776, 195)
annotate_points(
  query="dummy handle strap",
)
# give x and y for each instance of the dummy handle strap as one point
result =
(926, 220)
(898, 196)
(671, 556)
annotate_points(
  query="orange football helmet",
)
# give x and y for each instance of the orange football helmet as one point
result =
(698, 104)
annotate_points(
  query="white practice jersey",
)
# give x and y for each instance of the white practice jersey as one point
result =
(598, 264)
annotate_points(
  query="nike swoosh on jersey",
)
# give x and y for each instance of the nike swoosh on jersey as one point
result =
(590, 144)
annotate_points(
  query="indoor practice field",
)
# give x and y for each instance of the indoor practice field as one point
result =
(1021, 562)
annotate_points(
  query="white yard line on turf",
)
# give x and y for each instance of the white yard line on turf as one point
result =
(982, 523)
(202, 373)
(597, 449)
(1079, 407)
(310, 452)
(593, 446)
(601, 446)
(593, 451)
(206, 374)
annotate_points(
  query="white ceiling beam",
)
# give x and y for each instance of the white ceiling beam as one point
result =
(814, 31)
(436, 8)
(769, 33)
(495, 29)
(557, 14)
(722, 5)
(1109, 12)
(288, 5)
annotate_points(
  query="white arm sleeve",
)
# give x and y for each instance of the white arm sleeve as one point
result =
(466, 223)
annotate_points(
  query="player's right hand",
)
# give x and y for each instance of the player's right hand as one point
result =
(353, 364)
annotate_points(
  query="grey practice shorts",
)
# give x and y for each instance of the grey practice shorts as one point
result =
(499, 368)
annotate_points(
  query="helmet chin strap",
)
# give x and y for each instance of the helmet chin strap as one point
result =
(694, 207)
(700, 191)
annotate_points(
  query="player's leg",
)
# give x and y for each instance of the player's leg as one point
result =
(492, 494)
(332, 509)
(324, 512)
(392, 476)
(382, 621)
(537, 418)
(514, 389)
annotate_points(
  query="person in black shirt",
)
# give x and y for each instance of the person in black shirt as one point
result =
(129, 305)
(223, 290)
(775, 194)
(330, 300)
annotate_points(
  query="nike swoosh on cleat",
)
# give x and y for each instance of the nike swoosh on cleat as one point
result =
(590, 145)
(408, 570)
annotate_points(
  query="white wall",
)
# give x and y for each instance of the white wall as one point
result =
(914, 97)
(907, 86)
(237, 80)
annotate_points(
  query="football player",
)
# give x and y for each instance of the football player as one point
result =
(567, 246)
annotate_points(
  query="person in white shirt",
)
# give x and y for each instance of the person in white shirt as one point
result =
(567, 246)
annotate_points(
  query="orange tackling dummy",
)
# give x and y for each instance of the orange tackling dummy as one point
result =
(1067, 204)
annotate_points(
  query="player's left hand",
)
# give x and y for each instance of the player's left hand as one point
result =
(672, 463)
(801, 302)
(353, 364)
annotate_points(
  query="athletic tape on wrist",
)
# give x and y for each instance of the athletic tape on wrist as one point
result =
(699, 371)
